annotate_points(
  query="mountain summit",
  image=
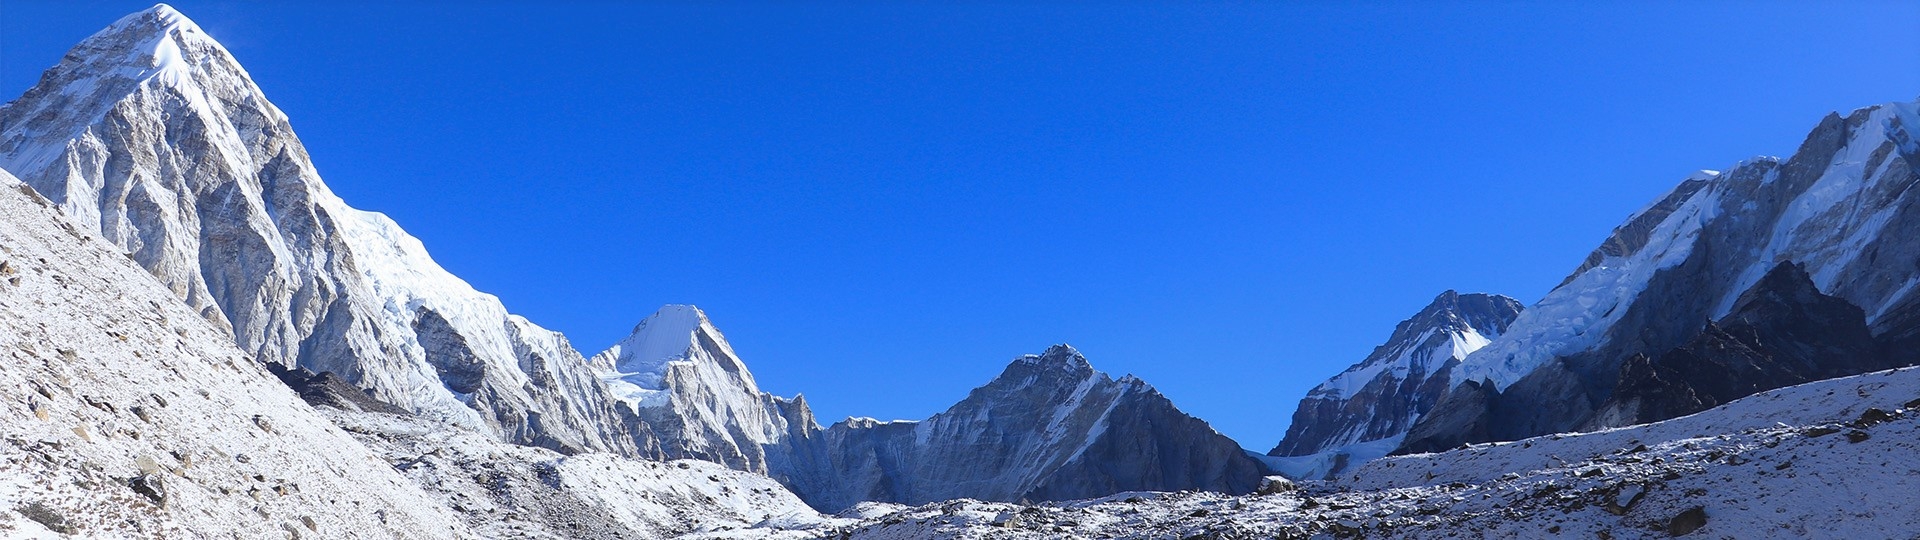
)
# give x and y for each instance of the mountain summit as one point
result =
(1049, 427)
(1360, 414)
(150, 135)
(677, 372)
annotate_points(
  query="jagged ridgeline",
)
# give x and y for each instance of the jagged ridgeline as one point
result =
(1050, 427)
(1772, 273)
(150, 135)
(1362, 413)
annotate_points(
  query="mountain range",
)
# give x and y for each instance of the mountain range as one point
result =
(152, 136)
(208, 342)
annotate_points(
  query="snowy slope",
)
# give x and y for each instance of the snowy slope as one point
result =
(115, 383)
(154, 138)
(111, 383)
(1362, 413)
(1575, 315)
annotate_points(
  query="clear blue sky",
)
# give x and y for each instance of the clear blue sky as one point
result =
(882, 205)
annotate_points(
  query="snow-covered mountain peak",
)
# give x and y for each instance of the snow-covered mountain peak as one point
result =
(151, 134)
(677, 372)
(1062, 357)
(665, 336)
(1358, 414)
(1702, 174)
(157, 50)
(1841, 206)
(1449, 328)
(636, 367)
(159, 38)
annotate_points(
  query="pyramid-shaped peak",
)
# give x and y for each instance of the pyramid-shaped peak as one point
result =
(1060, 355)
(158, 44)
(664, 334)
(154, 62)
(1057, 361)
(159, 32)
(673, 316)
(670, 333)
(163, 13)
(1453, 305)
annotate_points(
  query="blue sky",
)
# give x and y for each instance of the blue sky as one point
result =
(883, 204)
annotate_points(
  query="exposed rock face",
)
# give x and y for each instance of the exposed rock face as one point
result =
(1049, 427)
(679, 375)
(127, 415)
(1783, 332)
(1842, 206)
(328, 390)
(150, 135)
(1361, 413)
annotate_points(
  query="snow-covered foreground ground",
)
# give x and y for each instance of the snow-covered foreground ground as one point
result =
(1831, 459)
(124, 414)
(509, 491)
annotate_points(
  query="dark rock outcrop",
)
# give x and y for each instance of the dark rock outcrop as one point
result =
(1782, 333)
(327, 389)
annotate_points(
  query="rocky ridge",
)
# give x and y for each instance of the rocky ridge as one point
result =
(1362, 413)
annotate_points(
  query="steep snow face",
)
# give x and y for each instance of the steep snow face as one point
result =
(677, 372)
(1049, 427)
(151, 134)
(1840, 206)
(1362, 413)
(123, 414)
(1566, 319)
(636, 367)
